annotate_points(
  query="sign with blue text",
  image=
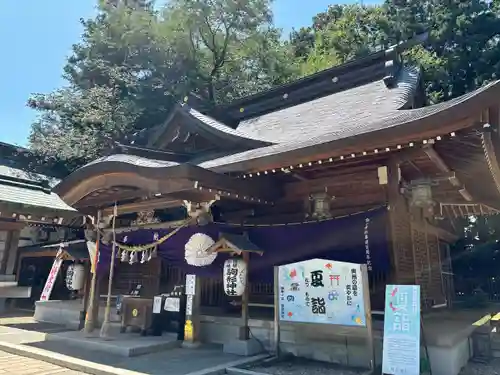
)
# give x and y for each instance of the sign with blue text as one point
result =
(401, 353)
(321, 291)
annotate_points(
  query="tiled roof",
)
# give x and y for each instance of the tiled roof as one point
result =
(15, 187)
(353, 127)
(331, 113)
(220, 127)
(323, 115)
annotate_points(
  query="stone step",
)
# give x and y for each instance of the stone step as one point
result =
(7, 278)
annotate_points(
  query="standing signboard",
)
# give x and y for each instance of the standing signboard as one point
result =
(322, 291)
(401, 351)
(51, 279)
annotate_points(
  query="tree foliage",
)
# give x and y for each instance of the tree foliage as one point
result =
(134, 60)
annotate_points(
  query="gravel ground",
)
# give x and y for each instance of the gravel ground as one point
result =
(305, 367)
(299, 366)
(492, 368)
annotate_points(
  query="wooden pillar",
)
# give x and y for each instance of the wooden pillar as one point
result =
(244, 333)
(399, 230)
(10, 253)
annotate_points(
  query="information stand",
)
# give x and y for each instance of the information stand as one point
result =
(321, 291)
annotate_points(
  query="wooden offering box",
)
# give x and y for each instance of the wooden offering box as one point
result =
(136, 312)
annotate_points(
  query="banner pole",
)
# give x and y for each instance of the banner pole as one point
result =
(276, 327)
(368, 315)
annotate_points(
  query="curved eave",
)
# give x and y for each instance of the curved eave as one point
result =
(218, 133)
(400, 126)
(491, 156)
(149, 177)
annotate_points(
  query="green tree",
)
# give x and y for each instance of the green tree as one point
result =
(134, 62)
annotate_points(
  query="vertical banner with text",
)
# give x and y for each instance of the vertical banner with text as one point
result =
(401, 351)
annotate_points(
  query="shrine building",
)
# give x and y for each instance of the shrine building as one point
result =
(351, 163)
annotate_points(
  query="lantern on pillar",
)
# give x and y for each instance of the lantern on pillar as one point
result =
(75, 276)
(235, 276)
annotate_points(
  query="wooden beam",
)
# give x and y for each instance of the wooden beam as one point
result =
(300, 189)
(144, 205)
(11, 225)
(443, 167)
(165, 225)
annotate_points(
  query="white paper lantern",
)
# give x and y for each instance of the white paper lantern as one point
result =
(235, 276)
(75, 277)
(196, 250)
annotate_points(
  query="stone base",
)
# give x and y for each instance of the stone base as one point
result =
(125, 344)
(243, 347)
(191, 345)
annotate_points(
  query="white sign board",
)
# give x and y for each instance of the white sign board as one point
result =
(157, 304)
(190, 285)
(51, 279)
(172, 304)
(321, 291)
(189, 305)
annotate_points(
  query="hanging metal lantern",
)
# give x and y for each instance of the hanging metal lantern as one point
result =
(421, 194)
(320, 207)
(235, 276)
(75, 277)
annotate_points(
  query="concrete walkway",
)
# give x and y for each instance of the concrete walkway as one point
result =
(12, 364)
(26, 338)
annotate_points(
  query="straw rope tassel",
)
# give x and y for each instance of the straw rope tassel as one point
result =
(151, 246)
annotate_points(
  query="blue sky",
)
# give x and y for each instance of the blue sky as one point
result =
(36, 37)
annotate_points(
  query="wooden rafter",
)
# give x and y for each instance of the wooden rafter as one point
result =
(443, 167)
(466, 209)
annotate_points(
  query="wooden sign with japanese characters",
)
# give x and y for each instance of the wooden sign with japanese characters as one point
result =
(321, 291)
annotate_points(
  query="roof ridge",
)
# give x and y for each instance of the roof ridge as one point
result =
(390, 55)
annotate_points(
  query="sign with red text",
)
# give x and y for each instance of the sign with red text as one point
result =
(321, 291)
(51, 279)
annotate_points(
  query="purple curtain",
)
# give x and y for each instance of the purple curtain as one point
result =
(343, 239)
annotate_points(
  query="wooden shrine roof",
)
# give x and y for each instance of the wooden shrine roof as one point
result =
(235, 243)
(356, 135)
(120, 177)
(331, 130)
(366, 89)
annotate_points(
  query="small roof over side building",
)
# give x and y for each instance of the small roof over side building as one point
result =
(18, 186)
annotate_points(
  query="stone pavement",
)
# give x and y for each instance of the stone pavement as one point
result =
(20, 336)
(16, 365)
